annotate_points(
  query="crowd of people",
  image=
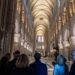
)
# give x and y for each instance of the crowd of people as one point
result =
(19, 65)
(61, 67)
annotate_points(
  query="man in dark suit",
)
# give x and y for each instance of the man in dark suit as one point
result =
(38, 67)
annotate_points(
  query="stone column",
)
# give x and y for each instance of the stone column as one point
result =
(66, 41)
(7, 22)
(66, 49)
(60, 43)
(73, 32)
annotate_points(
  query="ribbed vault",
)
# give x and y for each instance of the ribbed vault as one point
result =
(41, 12)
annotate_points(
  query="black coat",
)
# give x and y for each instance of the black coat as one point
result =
(21, 71)
(72, 70)
(39, 68)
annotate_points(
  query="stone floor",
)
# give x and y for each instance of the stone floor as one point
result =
(50, 72)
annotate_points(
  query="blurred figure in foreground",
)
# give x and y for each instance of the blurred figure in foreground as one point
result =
(12, 63)
(59, 68)
(0, 53)
(72, 70)
(22, 66)
(4, 64)
(66, 67)
(16, 54)
(38, 67)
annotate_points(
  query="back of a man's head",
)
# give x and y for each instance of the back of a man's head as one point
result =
(16, 53)
(37, 56)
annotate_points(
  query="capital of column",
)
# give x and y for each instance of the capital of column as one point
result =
(60, 45)
(73, 40)
(66, 43)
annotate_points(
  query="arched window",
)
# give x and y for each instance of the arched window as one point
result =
(40, 38)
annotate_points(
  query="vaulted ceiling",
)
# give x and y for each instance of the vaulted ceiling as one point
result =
(41, 12)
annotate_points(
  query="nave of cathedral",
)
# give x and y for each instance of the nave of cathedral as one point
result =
(44, 26)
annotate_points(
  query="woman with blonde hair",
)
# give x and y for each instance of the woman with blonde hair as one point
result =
(22, 61)
(22, 66)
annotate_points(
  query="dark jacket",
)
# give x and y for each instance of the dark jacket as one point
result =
(66, 69)
(39, 68)
(4, 70)
(72, 70)
(13, 62)
(21, 71)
